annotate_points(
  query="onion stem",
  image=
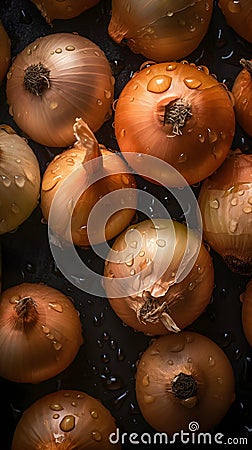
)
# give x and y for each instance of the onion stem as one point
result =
(184, 386)
(36, 78)
(246, 64)
(26, 309)
(176, 113)
(155, 309)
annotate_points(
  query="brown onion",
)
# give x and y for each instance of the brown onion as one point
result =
(19, 180)
(59, 77)
(159, 304)
(160, 30)
(40, 332)
(63, 9)
(225, 202)
(246, 299)
(178, 113)
(5, 52)
(242, 92)
(184, 378)
(69, 164)
(65, 420)
(238, 15)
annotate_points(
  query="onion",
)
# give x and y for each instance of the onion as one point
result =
(242, 92)
(154, 303)
(59, 77)
(178, 113)
(160, 30)
(62, 9)
(65, 420)
(5, 52)
(184, 378)
(238, 15)
(225, 201)
(76, 166)
(19, 180)
(246, 299)
(40, 332)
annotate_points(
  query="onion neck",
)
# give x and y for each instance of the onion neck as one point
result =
(184, 388)
(177, 112)
(155, 309)
(247, 64)
(36, 79)
(26, 310)
(86, 139)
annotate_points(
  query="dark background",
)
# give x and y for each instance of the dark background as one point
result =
(106, 363)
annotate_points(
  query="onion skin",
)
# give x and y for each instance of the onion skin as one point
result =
(191, 354)
(238, 16)
(5, 53)
(65, 420)
(143, 118)
(225, 201)
(158, 30)
(246, 299)
(185, 300)
(79, 84)
(44, 341)
(66, 9)
(242, 92)
(19, 180)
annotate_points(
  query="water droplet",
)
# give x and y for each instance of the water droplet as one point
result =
(70, 161)
(201, 138)
(220, 380)
(56, 407)
(192, 83)
(120, 354)
(131, 99)
(53, 105)
(212, 136)
(113, 382)
(57, 345)
(250, 200)
(234, 6)
(237, 354)
(191, 286)
(113, 344)
(56, 307)
(58, 50)
(148, 399)
(189, 360)
(161, 243)
(142, 253)
(129, 260)
(146, 380)
(233, 225)
(234, 201)
(182, 158)
(123, 132)
(14, 208)
(247, 209)
(67, 423)
(107, 93)
(159, 84)
(9, 75)
(177, 347)
(94, 414)
(99, 343)
(105, 358)
(169, 13)
(28, 51)
(105, 336)
(189, 339)
(6, 181)
(211, 361)
(99, 102)
(19, 180)
(171, 67)
(14, 299)
(56, 416)
(214, 204)
(70, 48)
(226, 339)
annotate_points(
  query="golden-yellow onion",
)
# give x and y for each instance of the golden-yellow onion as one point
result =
(19, 180)
(152, 303)
(182, 379)
(238, 15)
(78, 165)
(40, 332)
(179, 113)
(5, 52)
(225, 202)
(59, 77)
(242, 92)
(160, 30)
(246, 299)
(65, 420)
(63, 9)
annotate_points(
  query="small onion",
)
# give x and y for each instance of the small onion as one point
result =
(19, 180)
(71, 163)
(179, 113)
(62, 9)
(65, 420)
(58, 78)
(242, 92)
(246, 299)
(160, 30)
(167, 305)
(5, 52)
(225, 201)
(184, 378)
(238, 15)
(40, 332)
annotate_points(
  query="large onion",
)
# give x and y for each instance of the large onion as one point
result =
(59, 77)
(5, 52)
(225, 201)
(65, 420)
(63, 9)
(40, 332)
(242, 92)
(238, 14)
(19, 180)
(158, 304)
(160, 30)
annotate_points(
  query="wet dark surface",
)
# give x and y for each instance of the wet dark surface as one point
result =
(106, 363)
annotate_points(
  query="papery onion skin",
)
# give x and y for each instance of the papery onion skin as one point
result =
(5, 52)
(64, 9)
(238, 15)
(198, 144)
(206, 367)
(68, 162)
(183, 301)
(225, 201)
(76, 81)
(19, 180)
(158, 30)
(65, 420)
(41, 339)
(246, 299)
(242, 92)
